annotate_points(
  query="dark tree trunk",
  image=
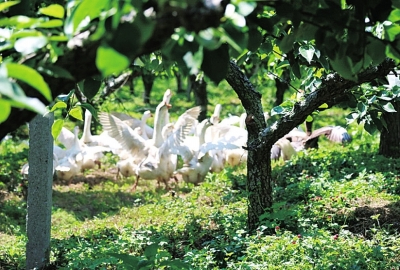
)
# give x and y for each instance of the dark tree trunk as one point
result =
(179, 84)
(189, 88)
(389, 144)
(199, 88)
(259, 160)
(148, 81)
(282, 84)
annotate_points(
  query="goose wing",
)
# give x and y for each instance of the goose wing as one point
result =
(124, 134)
(334, 134)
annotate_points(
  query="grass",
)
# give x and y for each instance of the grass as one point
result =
(335, 208)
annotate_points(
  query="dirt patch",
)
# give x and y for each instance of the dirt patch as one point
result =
(92, 178)
(374, 213)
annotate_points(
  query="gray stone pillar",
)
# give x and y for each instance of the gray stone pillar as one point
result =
(38, 219)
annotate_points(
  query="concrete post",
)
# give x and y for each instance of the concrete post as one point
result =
(38, 219)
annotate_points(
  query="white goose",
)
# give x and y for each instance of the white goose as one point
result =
(136, 147)
(161, 162)
(71, 164)
(197, 162)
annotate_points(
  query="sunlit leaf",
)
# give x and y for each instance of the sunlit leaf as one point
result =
(76, 112)
(389, 107)
(81, 15)
(58, 105)
(307, 51)
(351, 117)
(109, 61)
(309, 118)
(5, 5)
(323, 106)
(20, 21)
(29, 103)
(5, 110)
(56, 128)
(28, 45)
(29, 76)
(50, 24)
(53, 10)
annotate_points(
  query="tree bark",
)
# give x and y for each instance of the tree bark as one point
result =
(148, 81)
(389, 144)
(259, 161)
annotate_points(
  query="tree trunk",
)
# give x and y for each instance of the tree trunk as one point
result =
(179, 84)
(148, 81)
(259, 160)
(199, 88)
(389, 144)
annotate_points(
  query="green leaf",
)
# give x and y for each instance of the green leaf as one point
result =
(175, 264)
(391, 31)
(376, 50)
(323, 106)
(126, 259)
(389, 107)
(90, 88)
(343, 66)
(309, 118)
(50, 24)
(215, 63)
(277, 110)
(394, 15)
(6, 5)
(109, 61)
(81, 15)
(76, 112)
(151, 251)
(5, 110)
(91, 109)
(58, 105)
(370, 128)
(351, 117)
(282, 64)
(19, 22)
(29, 76)
(307, 51)
(28, 45)
(255, 39)
(295, 68)
(54, 10)
(56, 128)
(65, 98)
(55, 71)
(286, 43)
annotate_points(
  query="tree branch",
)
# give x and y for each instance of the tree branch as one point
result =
(332, 87)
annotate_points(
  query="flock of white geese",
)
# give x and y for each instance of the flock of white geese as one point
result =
(152, 153)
